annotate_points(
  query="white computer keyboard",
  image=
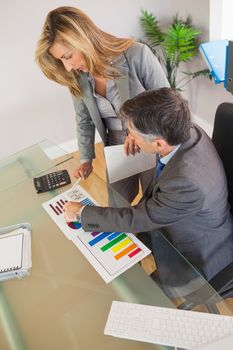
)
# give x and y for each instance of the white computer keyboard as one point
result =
(165, 326)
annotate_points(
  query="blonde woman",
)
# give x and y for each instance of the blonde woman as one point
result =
(101, 72)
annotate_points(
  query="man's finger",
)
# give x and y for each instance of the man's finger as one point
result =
(126, 147)
(132, 147)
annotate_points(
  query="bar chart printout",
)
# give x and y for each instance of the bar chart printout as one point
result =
(110, 253)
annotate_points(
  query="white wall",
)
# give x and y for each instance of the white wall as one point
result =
(33, 108)
(204, 96)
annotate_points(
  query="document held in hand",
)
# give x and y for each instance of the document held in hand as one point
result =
(15, 251)
(121, 166)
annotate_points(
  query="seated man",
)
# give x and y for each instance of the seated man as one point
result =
(187, 201)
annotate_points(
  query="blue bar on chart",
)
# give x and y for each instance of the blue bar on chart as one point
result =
(99, 238)
(114, 235)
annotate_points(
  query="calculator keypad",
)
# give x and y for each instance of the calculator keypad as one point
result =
(55, 179)
(52, 181)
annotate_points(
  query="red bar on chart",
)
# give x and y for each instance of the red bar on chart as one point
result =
(59, 210)
(60, 205)
(54, 209)
(135, 252)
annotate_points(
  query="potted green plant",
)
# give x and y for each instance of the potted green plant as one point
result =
(178, 44)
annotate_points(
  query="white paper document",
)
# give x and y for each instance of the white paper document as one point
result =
(15, 251)
(121, 166)
(110, 253)
(11, 248)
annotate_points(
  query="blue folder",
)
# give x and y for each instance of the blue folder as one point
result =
(215, 54)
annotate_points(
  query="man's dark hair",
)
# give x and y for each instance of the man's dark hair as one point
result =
(161, 112)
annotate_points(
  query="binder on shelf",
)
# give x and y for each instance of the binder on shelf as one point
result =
(15, 251)
(215, 55)
(229, 68)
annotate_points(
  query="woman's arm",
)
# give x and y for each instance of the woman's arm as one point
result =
(86, 139)
(85, 131)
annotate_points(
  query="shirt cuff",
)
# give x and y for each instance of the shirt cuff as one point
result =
(85, 160)
(79, 215)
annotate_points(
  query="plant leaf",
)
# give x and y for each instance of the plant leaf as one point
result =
(200, 73)
(179, 43)
(151, 27)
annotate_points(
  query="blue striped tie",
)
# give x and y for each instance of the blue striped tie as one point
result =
(159, 167)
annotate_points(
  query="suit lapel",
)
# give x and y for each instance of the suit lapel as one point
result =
(122, 82)
(123, 87)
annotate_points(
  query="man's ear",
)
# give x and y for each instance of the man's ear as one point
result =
(159, 145)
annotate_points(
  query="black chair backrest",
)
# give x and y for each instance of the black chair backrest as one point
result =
(223, 141)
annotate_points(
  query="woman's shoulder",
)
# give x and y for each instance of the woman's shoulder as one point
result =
(136, 48)
(138, 51)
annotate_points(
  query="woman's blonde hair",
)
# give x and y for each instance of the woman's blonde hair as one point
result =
(76, 30)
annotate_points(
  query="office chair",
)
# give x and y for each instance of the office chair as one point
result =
(223, 140)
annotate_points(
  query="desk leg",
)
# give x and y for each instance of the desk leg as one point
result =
(9, 325)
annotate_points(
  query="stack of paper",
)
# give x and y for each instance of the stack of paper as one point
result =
(15, 251)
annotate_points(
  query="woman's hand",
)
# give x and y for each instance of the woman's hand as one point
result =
(72, 210)
(83, 170)
(130, 146)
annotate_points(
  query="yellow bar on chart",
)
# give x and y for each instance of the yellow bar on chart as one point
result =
(121, 245)
(125, 251)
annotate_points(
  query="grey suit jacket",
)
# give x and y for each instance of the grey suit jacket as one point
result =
(188, 203)
(140, 71)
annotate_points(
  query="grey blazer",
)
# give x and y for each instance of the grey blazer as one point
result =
(140, 71)
(188, 203)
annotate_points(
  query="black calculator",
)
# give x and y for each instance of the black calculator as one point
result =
(51, 181)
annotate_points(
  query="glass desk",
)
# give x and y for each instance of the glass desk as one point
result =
(30, 162)
(64, 303)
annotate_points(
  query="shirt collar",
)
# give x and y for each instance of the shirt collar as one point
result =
(166, 159)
